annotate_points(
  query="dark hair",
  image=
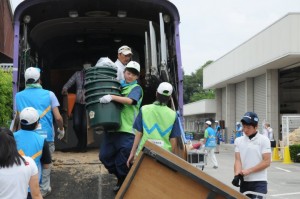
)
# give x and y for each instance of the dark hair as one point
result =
(132, 70)
(162, 99)
(29, 127)
(32, 81)
(251, 124)
(8, 149)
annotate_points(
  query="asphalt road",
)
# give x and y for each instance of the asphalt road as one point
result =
(283, 179)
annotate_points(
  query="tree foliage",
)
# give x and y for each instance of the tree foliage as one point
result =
(5, 98)
(193, 86)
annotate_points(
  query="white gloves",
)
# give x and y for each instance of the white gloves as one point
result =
(105, 99)
(61, 133)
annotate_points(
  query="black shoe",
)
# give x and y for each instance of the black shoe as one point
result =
(118, 185)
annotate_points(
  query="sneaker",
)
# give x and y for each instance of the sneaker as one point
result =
(215, 167)
(47, 193)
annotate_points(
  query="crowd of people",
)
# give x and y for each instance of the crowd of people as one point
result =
(29, 149)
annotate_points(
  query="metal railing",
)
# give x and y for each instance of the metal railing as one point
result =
(6, 67)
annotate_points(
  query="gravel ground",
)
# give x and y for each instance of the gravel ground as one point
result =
(80, 176)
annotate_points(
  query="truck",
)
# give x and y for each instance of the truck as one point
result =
(58, 36)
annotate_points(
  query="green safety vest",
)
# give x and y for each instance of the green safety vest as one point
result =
(158, 123)
(129, 112)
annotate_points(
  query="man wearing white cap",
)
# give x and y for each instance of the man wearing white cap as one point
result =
(156, 123)
(29, 142)
(116, 146)
(210, 143)
(124, 57)
(46, 102)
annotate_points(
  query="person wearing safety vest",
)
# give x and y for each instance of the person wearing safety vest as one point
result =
(210, 143)
(46, 103)
(116, 146)
(156, 123)
(30, 143)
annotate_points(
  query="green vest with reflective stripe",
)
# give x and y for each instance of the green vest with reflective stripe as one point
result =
(129, 112)
(158, 123)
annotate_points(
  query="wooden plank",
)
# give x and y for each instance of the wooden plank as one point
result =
(158, 173)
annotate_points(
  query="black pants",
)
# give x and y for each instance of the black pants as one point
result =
(80, 125)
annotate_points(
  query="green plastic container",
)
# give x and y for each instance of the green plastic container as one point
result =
(101, 83)
(101, 69)
(106, 116)
(100, 75)
(107, 89)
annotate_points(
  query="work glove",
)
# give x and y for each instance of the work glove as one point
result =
(105, 99)
(237, 180)
(61, 133)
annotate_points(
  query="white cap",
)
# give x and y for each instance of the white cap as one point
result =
(32, 73)
(134, 65)
(165, 88)
(125, 50)
(208, 122)
(237, 123)
(29, 116)
(216, 121)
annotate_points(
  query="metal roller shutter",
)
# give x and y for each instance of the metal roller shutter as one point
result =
(260, 98)
(240, 100)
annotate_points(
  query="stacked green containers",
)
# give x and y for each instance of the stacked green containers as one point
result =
(100, 81)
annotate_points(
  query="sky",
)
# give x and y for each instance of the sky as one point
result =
(210, 29)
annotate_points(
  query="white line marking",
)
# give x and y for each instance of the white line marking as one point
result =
(283, 169)
(285, 194)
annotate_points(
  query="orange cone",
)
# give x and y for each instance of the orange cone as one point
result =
(287, 156)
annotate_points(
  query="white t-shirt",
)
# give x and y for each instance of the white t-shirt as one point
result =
(121, 68)
(14, 181)
(251, 152)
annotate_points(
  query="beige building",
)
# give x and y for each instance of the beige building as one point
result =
(260, 75)
(196, 113)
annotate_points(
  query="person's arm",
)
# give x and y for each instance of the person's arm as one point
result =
(122, 100)
(58, 118)
(265, 163)
(34, 187)
(237, 164)
(46, 156)
(137, 139)
(70, 83)
(173, 142)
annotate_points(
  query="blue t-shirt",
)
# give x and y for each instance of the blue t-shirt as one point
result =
(138, 125)
(135, 94)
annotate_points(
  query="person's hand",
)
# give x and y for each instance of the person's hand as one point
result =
(64, 91)
(130, 160)
(61, 133)
(237, 180)
(105, 99)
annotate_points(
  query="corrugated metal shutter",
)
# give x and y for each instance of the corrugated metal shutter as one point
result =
(239, 100)
(260, 98)
(223, 104)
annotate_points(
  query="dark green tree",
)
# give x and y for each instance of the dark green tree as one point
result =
(5, 98)
(193, 86)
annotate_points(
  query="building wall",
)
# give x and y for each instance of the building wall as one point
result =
(279, 42)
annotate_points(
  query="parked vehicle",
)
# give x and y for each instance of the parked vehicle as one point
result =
(58, 36)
